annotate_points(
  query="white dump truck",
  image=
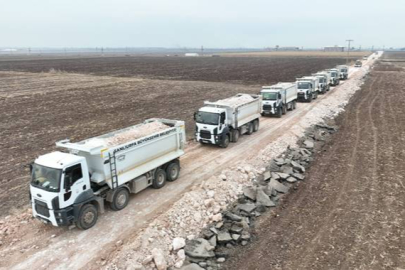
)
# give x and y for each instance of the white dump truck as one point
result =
(324, 81)
(308, 88)
(71, 188)
(279, 98)
(358, 63)
(225, 120)
(344, 71)
(334, 75)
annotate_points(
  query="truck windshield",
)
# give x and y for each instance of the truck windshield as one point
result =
(321, 80)
(269, 96)
(333, 74)
(46, 178)
(343, 70)
(207, 118)
(304, 85)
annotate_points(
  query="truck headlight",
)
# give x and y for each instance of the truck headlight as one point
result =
(59, 214)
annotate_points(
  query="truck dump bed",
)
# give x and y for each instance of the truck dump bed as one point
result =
(136, 149)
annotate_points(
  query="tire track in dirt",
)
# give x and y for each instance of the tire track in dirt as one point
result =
(323, 229)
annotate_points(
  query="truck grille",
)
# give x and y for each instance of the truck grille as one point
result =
(205, 134)
(301, 94)
(267, 107)
(41, 208)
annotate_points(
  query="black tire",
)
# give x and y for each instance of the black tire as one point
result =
(225, 142)
(294, 105)
(173, 171)
(235, 135)
(250, 128)
(256, 125)
(120, 199)
(279, 113)
(316, 95)
(160, 179)
(284, 109)
(310, 98)
(87, 217)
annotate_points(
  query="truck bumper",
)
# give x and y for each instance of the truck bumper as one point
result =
(62, 217)
(214, 139)
(302, 97)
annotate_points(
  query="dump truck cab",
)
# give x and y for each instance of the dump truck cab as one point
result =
(306, 89)
(324, 80)
(335, 77)
(211, 123)
(344, 71)
(60, 184)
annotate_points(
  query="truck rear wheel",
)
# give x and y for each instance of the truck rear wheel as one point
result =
(294, 105)
(284, 109)
(173, 171)
(250, 128)
(235, 135)
(256, 125)
(120, 199)
(225, 142)
(87, 217)
(160, 179)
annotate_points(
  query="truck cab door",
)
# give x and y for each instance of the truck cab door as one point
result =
(75, 181)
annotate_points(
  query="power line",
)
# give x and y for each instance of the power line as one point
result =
(348, 50)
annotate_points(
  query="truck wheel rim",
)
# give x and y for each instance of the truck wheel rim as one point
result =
(173, 173)
(160, 179)
(121, 199)
(88, 217)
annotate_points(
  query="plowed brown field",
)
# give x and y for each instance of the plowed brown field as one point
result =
(85, 97)
(350, 212)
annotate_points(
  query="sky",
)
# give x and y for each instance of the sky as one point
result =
(196, 23)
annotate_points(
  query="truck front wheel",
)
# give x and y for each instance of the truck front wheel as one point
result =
(225, 142)
(87, 217)
(160, 179)
(172, 171)
(120, 199)
(279, 112)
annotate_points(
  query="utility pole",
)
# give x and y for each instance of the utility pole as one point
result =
(348, 50)
(202, 50)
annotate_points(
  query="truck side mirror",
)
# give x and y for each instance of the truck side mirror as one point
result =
(279, 96)
(195, 116)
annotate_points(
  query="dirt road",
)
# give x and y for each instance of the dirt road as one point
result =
(350, 212)
(41, 246)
